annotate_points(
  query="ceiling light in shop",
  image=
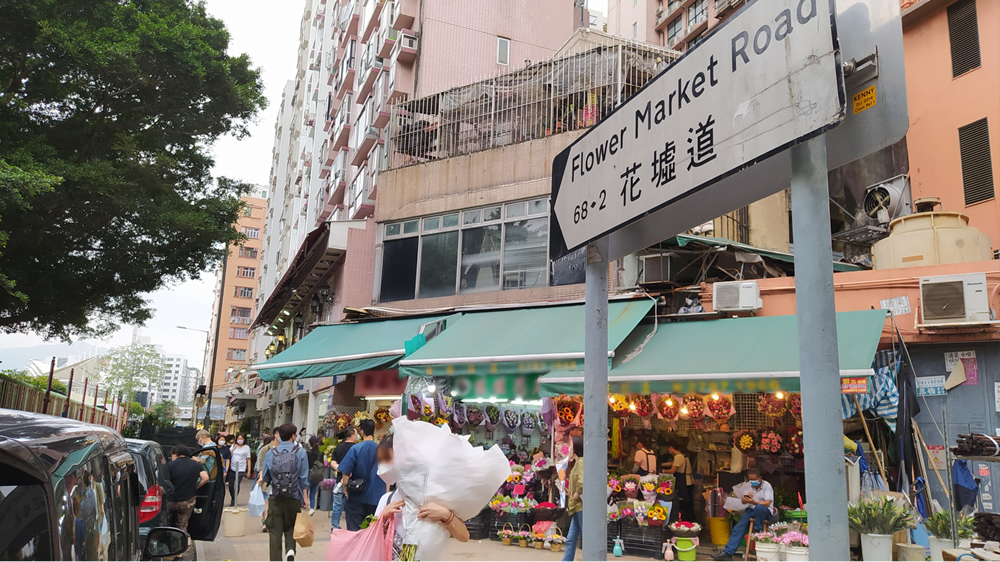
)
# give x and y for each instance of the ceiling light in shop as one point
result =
(715, 396)
(522, 402)
(431, 388)
(779, 395)
(684, 410)
(373, 398)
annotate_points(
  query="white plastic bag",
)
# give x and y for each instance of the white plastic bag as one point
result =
(436, 466)
(256, 504)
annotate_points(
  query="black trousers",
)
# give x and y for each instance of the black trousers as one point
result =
(356, 511)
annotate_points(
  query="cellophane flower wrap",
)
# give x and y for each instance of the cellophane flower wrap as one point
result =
(644, 409)
(795, 405)
(772, 406)
(647, 486)
(444, 404)
(619, 405)
(667, 407)
(794, 444)
(528, 423)
(665, 484)
(474, 415)
(720, 408)
(436, 466)
(458, 414)
(770, 442)
(745, 440)
(630, 485)
(493, 416)
(694, 404)
(511, 419)
(342, 422)
(382, 417)
(414, 406)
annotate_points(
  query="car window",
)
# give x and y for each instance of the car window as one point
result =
(84, 497)
(24, 518)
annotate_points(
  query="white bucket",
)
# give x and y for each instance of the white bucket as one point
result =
(876, 547)
(234, 521)
(796, 553)
(937, 545)
(767, 551)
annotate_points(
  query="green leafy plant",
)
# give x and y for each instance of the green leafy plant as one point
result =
(939, 525)
(368, 521)
(879, 516)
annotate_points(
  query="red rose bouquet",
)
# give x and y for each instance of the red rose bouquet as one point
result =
(795, 405)
(667, 407)
(773, 405)
(720, 407)
(793, 443)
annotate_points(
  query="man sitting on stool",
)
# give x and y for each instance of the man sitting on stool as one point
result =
(758, 507)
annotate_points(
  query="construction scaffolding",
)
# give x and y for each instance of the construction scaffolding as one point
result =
(565, 94)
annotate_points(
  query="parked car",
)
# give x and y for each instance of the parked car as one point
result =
(70, 491)
(151, 466)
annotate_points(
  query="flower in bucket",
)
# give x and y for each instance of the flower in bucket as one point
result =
(766, 537)
(773, 405)
(770, 442)
(745, 440)
(685, 529)
(668, 407)
(795, 538)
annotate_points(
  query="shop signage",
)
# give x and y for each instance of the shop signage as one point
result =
(931, 386)
(898, 306)
(937, 455)
(788, 384)
(759, 84)
(854, 385)
(379, 383)
(499, 386)
(984, 469)
(968, 359)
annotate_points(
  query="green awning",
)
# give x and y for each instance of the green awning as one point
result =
(730, 355)
(518, 341)
(342, 349)
(685, 239)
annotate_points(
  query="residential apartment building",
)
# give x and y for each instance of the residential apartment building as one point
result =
(236, 286)
(677, 24)
(177, 385)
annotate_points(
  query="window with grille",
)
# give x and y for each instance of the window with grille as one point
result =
(977, 166)
(963, 31)
(244, 292)
(248, 252)
(242, 271)
(251, 232)
(239, 333)
(240, 311)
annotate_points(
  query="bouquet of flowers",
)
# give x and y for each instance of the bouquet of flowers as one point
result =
(667, 407)
(496, 504)
(619, 405)
(543, 426)
(415, 407)
(793, 443)
(474, 415)
(770, 442)
(693, 406)
(773, 405)
(795, 405)
(360, 417)
(795, 538)
(656, 516)
(568, 410)
(341, 421)
(458, 418)
(614, 486)
(685, 529)
(511, 419)
(328, 484)
(428, 409)
(745, 440)
(382, 417)
(444, 404)
(330, 420)
(647, 484)
(643, 405)
(542, 464)
(528, 423)
(439, 420)
(630, 485)
(626, 513)
(614, 514)
(492, 416)
(664, 485)
(720, 407)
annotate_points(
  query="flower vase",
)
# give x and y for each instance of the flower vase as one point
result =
(793, 553)
(876, 547)
(768, 551)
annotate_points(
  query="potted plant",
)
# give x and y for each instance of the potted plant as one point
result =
(768, 546)
(523, 536)
(539, 541)
(877, 519)
(557, 543)
(939, 526)
(796, 546)
(506, 534)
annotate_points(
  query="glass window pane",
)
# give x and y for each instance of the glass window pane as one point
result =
(471, 217)
(399, 269)
(537, 207)
(393, 229)
(492, 214)
(432, 223)
(515, 210)
(438, 264)
(410, 227)
(481, 259)
(449, 221)
(524, 255)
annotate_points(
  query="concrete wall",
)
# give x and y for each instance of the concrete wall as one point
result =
(623, 13)
(769, 222)
(939, 104)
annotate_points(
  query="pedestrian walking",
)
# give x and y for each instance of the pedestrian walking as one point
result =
(574, 503)
(226, 447)
(316, 471)
(187, 475)
(362, 486)
(240, 463)
(286, 470)
(349, 436)
(271, 441)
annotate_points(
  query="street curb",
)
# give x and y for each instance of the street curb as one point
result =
(198, 550)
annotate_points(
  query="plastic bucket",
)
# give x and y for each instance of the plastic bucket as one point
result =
(767, 551)
(720, 529)
(937, 545)
(234, 520)
(797, 553)
(685, 548)
(876, 547)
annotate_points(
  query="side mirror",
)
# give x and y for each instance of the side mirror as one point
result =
(165, 542)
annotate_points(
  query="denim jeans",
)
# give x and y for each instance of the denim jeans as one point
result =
(759, 513)
(337, 510)
(313, 493)
(575, 532)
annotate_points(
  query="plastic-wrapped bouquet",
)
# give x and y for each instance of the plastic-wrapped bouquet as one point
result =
(342, 422)
(630, 485)
(568, 410)
(619, 405)
(511, 419)
(795, 405)
(773, 405)
(685, 529)
(720, 407)
(528, 422)
(667, 407)
(474, 415)
(656, 516)
(665, 484)
(643, 405)
(793, 443)
(745, 440)
(770, 442)
(382, 417)
(328, 484)
(492, 416)
(458, 418)
(693, 406)
(614, 486)
(627, 513)
(415, 407)
(330, 420)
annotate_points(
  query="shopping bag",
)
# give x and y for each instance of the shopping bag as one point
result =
(303, 533)
(256, 504)
(373, 543)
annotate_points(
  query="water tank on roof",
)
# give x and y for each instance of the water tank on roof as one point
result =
(930, 237)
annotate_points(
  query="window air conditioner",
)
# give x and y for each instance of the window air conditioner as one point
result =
(734, 296)
(655, 268)
(954, 299)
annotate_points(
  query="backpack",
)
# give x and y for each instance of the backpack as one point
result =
(317, 472)
(284, 474)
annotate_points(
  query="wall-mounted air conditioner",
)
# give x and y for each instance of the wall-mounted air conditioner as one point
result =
(655, 268)
(735, 296)
(954, 299)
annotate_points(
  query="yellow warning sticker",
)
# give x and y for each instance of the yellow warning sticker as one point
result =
(864, 99)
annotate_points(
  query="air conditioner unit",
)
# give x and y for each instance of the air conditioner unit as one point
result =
(954, 299)
(655, 268)
(733, 296)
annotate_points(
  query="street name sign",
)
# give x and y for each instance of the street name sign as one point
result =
(765, 80)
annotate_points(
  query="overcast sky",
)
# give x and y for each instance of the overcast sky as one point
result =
(268, 30)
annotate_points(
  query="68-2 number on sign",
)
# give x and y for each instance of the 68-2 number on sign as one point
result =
(581, 211)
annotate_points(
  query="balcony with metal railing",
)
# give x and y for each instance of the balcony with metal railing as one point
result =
(668, 12)
(722, 7)
(386, 37)
(361, 204)
(380, 101)
(369, 69)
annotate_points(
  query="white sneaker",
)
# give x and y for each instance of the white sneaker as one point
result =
(311, 511)
(290, 555)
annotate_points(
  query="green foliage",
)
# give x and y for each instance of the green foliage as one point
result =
(131, 368)
(939, 525)
(108, 110)
(39, 382)
(879, 516)
(163, 414)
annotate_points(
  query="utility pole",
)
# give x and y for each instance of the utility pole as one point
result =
(69, 394)
(218, 330)
(48, 389)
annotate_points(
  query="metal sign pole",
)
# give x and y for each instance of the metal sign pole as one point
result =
(819, 364)
(595, 404)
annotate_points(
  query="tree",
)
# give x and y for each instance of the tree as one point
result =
(131, 368)
(163, 414)
(38, 382)
(108, 110)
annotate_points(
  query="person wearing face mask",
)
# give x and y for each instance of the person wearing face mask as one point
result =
(227, 460)
(240, 465)
(391, 503)
(758, 507)
(206, 458)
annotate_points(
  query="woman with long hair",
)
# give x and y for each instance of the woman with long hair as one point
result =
(574, 502)
(241, 463)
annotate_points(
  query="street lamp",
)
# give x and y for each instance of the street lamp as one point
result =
(204, 359)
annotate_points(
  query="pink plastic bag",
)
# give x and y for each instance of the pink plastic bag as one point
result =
(373, 543)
